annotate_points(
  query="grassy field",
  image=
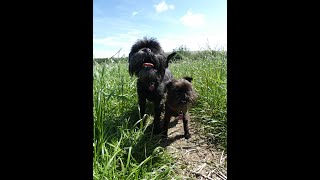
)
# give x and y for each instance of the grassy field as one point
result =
(124, 148)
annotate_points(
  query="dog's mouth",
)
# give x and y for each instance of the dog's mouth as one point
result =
(151, 87)
(180, 115)
(147, 65)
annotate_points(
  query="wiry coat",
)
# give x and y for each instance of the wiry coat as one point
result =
(149, 63)
(180, 95)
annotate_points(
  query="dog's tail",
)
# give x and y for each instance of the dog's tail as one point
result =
(169, 57)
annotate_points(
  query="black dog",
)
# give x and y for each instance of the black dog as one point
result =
(180, 96)
(149, 63)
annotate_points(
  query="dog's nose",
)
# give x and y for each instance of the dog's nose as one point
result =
(183, 101)
(146, 50)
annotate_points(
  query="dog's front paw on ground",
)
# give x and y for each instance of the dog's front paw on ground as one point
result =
(187, 136)
(156, 131)
(164, 135)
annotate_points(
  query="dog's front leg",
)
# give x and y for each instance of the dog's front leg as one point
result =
(186, 120)
(166, 121)
(157, 114)
(142, 105)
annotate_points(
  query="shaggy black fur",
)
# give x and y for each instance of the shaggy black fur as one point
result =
(180, 95)
(149, 63)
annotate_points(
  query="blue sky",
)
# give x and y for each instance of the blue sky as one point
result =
(117, 24)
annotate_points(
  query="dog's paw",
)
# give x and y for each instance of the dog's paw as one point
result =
(164, 140)
(187, 136)
(164, 135)
(156, 131)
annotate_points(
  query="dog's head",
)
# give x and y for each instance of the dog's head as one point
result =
(180, 94)
(146, 54)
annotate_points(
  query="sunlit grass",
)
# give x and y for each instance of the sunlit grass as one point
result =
(123, 147)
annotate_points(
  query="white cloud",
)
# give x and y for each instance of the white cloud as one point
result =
(109, 46)
(195, 39)
(193, 20)
(162, 6)
(135, 13)
(104, 53)
(195, 42)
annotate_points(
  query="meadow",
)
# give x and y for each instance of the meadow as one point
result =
(125, 148)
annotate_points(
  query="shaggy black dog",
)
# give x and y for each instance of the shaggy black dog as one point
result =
(149, 63)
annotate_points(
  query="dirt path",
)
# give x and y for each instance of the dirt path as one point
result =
(195, 159)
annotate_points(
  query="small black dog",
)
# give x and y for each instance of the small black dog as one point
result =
(149, 63)
(180, 95)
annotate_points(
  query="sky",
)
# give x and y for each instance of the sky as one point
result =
(118, 24)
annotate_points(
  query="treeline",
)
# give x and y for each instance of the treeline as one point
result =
(182, 53)
(110, 60)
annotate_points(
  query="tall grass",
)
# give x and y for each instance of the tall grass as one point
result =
(209, 72)
(124, 148)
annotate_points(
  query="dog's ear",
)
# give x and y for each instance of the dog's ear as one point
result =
(169, 84)
(131, 71)
(169, 57)
(188, 78)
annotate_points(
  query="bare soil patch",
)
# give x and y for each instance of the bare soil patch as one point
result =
(195, 158)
